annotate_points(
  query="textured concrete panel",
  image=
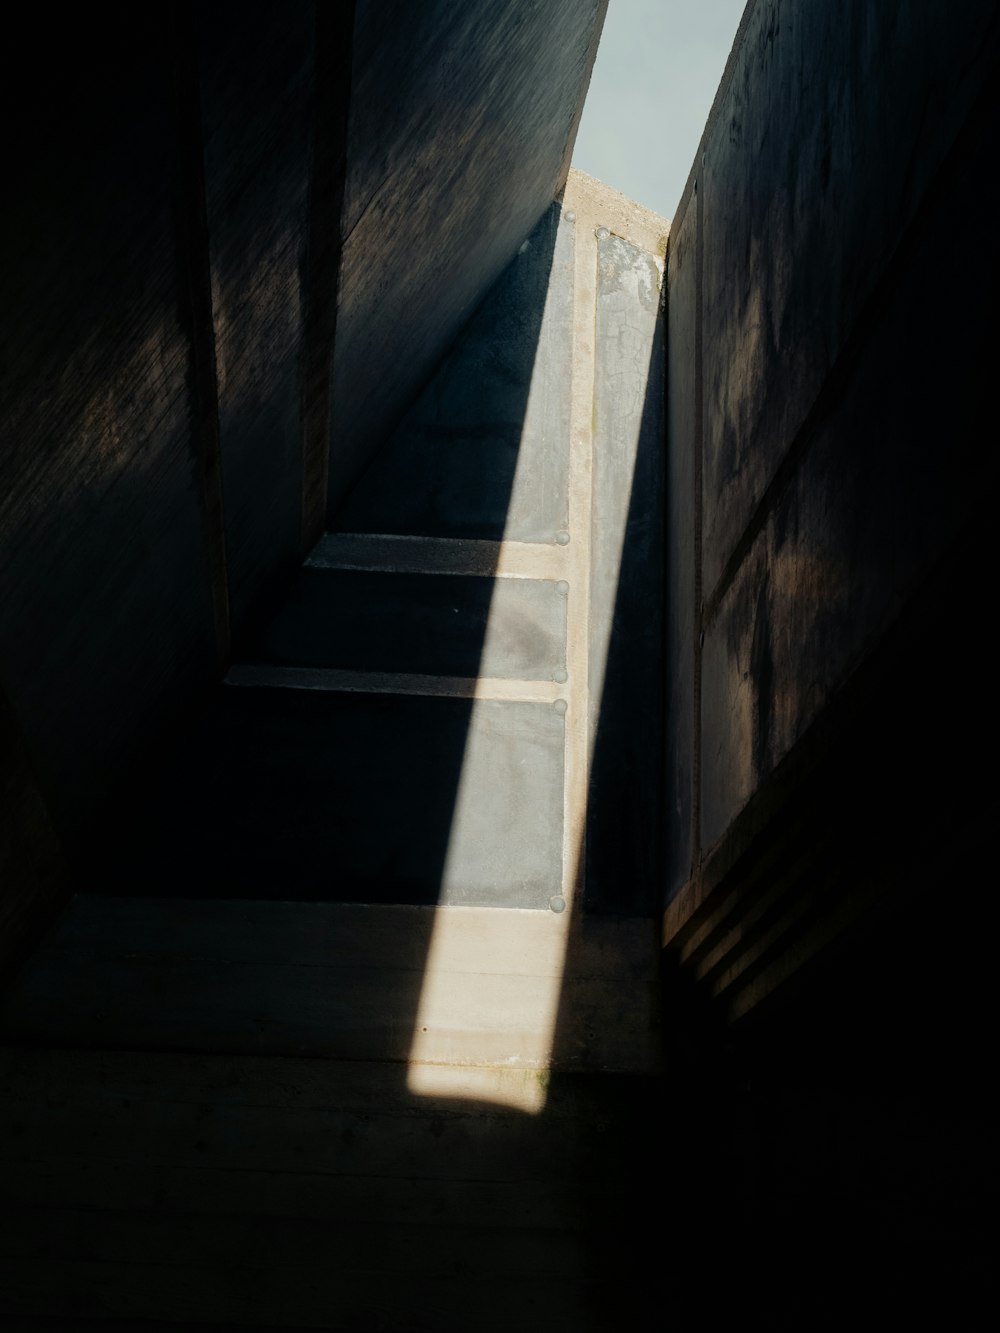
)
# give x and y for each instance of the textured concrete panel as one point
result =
(505, 846)
(624, 811)
(437, 624)
(485, 449)
(683, 446)
(358, 798)
(835, 121)
(462, 121)
(894, 477)
(106, 619)
(256, 72)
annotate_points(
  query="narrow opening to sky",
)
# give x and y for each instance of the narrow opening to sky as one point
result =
(657, 70)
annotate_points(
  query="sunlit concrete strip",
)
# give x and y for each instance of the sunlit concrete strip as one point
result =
(389, 554)
(448, 992)
(335, 680)
(610, 214)
(509, 1061)
(579, 201)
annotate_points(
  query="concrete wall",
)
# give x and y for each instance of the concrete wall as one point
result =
(154, 329)
(831, 270)
(832, 282)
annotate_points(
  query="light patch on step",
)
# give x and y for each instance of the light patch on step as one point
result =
(519, 1089)
(489, 1005)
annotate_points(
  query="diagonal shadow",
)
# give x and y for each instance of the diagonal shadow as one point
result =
(622, 846)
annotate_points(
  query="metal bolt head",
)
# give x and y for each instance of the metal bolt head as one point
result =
(557, 904)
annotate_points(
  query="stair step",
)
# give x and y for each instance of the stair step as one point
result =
(346, 982)
(443, 624)
(356, 797)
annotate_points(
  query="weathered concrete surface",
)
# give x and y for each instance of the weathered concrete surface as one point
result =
(830, 439)
(495, 93)
(835, 120)
(483, 452)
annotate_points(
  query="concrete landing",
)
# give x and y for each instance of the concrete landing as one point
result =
(222, 1112)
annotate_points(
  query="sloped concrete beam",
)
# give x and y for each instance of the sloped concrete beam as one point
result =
(463, 117)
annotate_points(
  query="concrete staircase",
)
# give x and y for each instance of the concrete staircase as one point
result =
(337, 1045)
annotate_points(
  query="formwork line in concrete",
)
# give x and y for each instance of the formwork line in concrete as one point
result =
(334, 680)
(392, 554)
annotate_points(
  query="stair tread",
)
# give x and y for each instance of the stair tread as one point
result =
(442, 624)
(475, 987)
(356, 797)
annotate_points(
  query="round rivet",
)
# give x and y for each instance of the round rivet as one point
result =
(560, 676)
(602, 233)
(557, 904)
(562, 538)
(562, 586)
(570, 217)
(560, 706)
